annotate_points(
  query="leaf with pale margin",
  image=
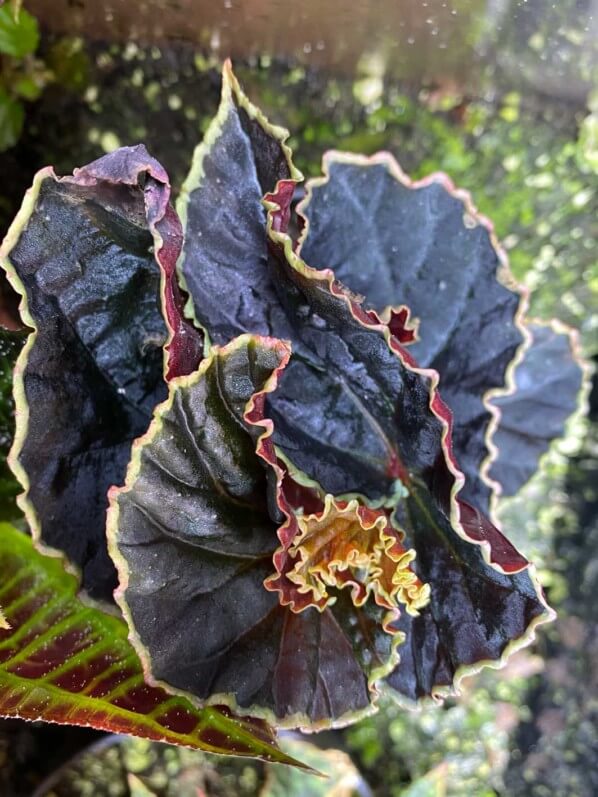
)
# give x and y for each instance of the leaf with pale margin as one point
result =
(320, 422)
(485, 601)
(350, 411)
(66, 662)
(193, 540)
(476, 613)
(548, 383)
(423, 245)
(81, 253)
(224, 262)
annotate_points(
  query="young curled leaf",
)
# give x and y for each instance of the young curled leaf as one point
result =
(346, 545)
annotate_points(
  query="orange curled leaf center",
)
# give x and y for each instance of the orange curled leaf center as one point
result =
(347, 545)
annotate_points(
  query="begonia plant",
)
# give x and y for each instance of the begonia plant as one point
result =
(273, 433)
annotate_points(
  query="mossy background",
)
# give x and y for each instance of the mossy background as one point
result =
(527, 150)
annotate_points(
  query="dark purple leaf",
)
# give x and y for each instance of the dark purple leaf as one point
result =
(81, 253)
(476, 613)
(423, 245)
(547, 386)
(353, 412)
(225, 254)
(468, 582)
(194, 542)
(319, 417)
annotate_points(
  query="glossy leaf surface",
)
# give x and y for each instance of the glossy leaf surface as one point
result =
(63, 661)
(423, 245)
(224, 262)
(354, 414)
(81, 253)
(476, 613)
(548, 382)
(318, 411)
(484, 600)
(194, 541)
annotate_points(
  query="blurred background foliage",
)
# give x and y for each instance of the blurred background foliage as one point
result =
(521, 134)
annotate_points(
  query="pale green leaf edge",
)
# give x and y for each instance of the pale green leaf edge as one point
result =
(431, 377)
(504, 276)
(11, 239)
(231, 95)
(292, 721)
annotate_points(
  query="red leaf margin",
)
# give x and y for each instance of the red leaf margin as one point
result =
(505, 277)
(472, 526)
(129, 166)
(290, 495)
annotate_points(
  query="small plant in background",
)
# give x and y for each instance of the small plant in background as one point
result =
(297, 519)
(22, 75)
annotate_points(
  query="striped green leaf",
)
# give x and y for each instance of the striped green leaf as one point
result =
(67, 662)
